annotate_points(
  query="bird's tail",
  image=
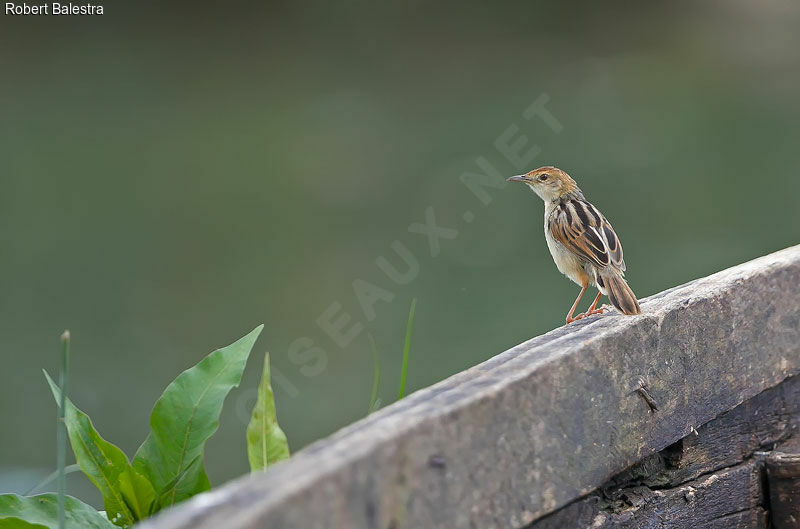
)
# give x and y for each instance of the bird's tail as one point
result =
(620, 294)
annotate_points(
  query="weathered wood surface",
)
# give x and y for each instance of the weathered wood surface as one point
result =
(784, 489)
(534, 428)
(713, 478)
(731, 498)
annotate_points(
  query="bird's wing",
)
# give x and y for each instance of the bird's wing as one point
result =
(583, 230)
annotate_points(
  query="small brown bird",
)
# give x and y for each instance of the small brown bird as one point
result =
(582, 242)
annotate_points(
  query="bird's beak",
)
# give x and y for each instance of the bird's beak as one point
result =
(518, 178)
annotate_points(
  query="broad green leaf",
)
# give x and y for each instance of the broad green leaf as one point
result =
(41, 511)
(137, 492)
(165, 493)
(103, 463)
(185, 417)
(16, 523)
(266, 442)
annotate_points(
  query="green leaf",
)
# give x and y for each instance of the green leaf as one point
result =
(18, 512)
(406, 349)
(266, 442)
(104, 464)
(165, 493)
(185, 417)
(16, 523)
(137, 492)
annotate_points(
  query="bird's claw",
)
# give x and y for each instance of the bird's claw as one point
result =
(585, 314)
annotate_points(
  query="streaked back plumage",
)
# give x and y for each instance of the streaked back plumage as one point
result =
(577, 226)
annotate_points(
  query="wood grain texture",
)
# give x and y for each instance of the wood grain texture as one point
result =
(768, 421)
(532, 429)
(664, 487)
(731, 498)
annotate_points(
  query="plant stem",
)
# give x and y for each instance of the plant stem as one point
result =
(406, 348)
(373, 401)
(61, 432)
(51, 477)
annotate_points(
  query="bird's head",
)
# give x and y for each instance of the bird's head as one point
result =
(549, 182)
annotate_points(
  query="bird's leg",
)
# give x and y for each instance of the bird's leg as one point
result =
(592, 310)
(570, 319)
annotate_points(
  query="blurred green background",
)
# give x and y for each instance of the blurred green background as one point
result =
(173, 175)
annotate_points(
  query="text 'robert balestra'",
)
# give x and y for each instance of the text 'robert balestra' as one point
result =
(53, 9)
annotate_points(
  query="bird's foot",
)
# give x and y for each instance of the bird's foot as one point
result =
(586, 314)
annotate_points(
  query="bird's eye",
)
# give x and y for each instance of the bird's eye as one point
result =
(543, 177)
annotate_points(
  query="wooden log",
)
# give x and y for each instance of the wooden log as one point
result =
(534, 428)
